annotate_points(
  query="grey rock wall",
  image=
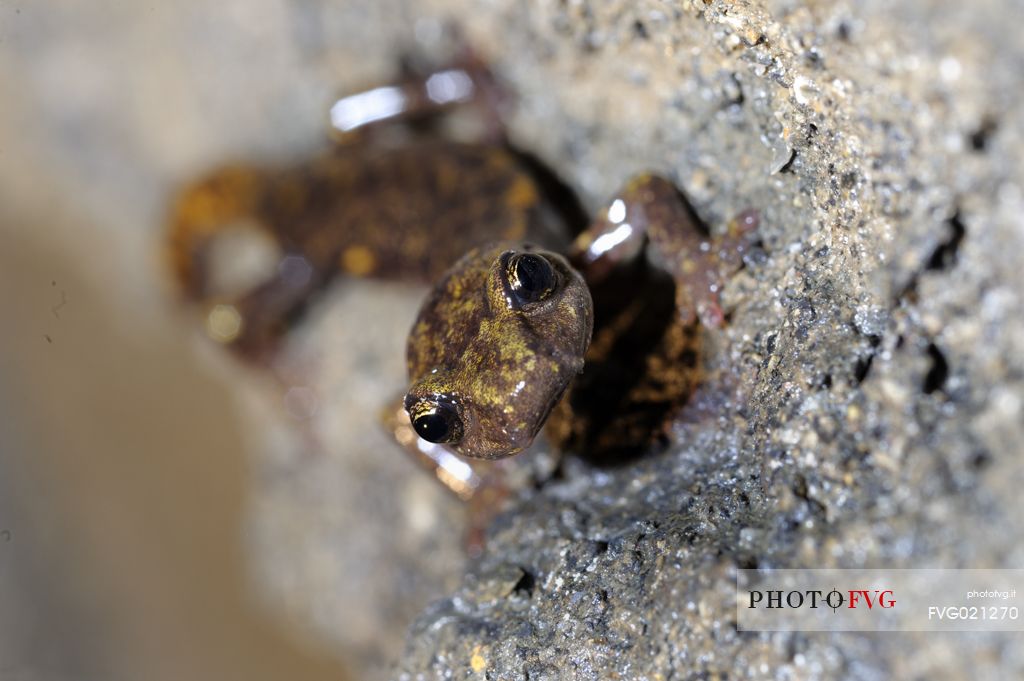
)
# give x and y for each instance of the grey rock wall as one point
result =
(876, 341)
(874, 350)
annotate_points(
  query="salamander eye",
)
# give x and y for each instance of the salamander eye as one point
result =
(530, 276)
(436, 422)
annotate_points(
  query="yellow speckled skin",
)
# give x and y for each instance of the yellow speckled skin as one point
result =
(368, 209)
(506, 370)
(371, 207)
(363, 209)
(503, 365)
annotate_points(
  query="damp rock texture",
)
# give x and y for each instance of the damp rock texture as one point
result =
(876, 341)
(869, 407)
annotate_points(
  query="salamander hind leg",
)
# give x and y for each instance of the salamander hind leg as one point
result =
(229, 259)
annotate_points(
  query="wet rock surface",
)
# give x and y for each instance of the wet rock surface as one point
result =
(874, 341)
(868, 407)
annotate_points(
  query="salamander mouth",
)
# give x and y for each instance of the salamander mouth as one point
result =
(553, 401)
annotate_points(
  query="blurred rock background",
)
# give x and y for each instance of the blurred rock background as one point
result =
(169, 514)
